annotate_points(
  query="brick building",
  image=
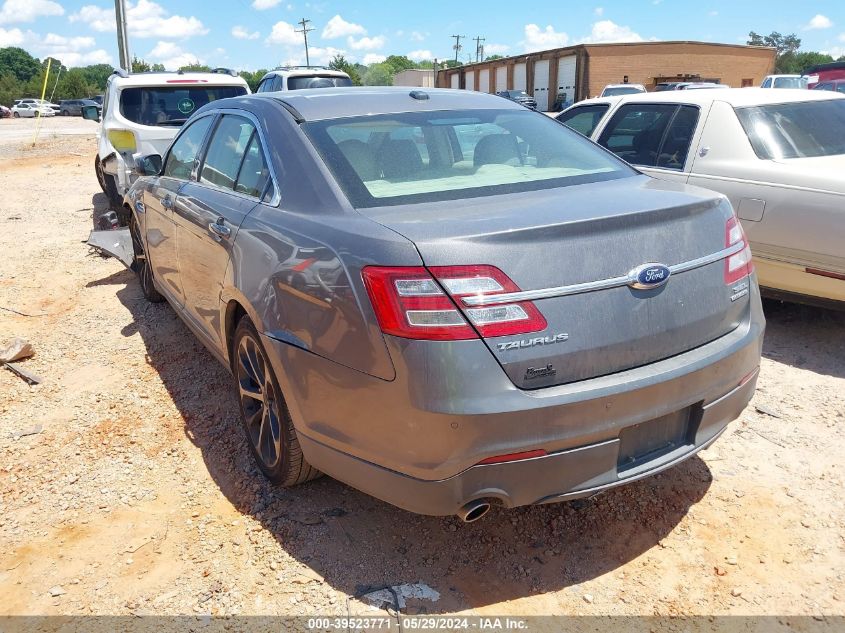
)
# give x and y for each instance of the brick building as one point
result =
(582, 71)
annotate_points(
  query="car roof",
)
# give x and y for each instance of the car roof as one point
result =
(734, 96)
(333, 103)
(298, 72)
(162, 79)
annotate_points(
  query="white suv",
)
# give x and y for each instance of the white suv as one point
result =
(142, 113)
(301, 77)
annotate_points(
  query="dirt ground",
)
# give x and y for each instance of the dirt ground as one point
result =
(126, 486)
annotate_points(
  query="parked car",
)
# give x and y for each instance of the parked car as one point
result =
(445, 299)
(73, 107)
(835, 85)
(38, 102)
(702, 85)
(5, 112)
(301, 78)
(29, 110)
(777, 155)
(785, 81)
(143, 113)
(520, 96)
(98, 99)
(825, 72)
(613, 90)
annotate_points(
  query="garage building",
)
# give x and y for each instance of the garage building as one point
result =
(578, 72)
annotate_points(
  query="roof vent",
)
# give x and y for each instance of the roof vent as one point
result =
(419, 95)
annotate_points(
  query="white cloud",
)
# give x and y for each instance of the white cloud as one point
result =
(373, 58)
(172, 56)
(240, 33)
(13, 37)
(263, 5)
(819, 21)
(338, 27)
(837, 51)
(606, 31)
(496, 49)
(421, 55)
(28, 10)
(284, 33)
(145, 19)
(599, 11)
(416, 36)
(366, 43)
(537, 39)
(713, 14)
(71, 51)
(318, 55)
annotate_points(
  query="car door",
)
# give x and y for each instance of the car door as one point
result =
(655, 137)
(159, 201)
(208, 212)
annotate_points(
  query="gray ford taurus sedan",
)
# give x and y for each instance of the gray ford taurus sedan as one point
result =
(446, 300)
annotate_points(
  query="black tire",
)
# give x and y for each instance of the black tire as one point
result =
(115, 199)
(65, 113)
(17, 115)
(98, 169)
(264, 413)
(141, 266)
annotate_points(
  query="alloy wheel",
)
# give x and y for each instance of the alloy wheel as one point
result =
(259, 401)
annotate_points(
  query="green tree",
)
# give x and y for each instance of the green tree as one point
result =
(399, 63)
(158, 68)
(379, 75)
(253, 78)
(72, 85)
(97, 75)
(492, 57)
(797, 63)
(140, 65)
(196, 67)
(451, 63)
(10, 88)
(782, 43)
(16, 61)
(340, 63)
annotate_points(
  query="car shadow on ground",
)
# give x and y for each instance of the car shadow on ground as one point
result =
(356, 542)
(805, 336)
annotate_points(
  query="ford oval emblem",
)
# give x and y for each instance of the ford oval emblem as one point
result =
(648, 276)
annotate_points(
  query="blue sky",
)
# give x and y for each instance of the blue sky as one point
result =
(252, 34)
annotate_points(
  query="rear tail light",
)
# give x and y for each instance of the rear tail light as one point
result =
(122, 140)
(410, 302)
(738, 265)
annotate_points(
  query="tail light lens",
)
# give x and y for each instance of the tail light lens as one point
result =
(738, 265)
(410, 303)
(122, 140)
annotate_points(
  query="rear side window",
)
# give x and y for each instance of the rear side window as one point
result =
(795, 130)
(170, 105)
(651, 135)
(254, 174)
(180, 160)
(584, 119)
(226, 151)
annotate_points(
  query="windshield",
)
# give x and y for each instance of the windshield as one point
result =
(170, 105)
(451, 155)
(621, 90)
(317, 81)
(795, 130)
(790, 82)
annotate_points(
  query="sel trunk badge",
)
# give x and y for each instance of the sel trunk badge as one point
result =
(647, 276)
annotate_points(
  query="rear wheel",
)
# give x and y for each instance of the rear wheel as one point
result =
(65, 113)
(141, 265)
(266, 421)
(98, 169)
(17, 115)
(115, 199)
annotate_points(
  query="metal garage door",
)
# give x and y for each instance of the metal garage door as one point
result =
(484, 80)
(501, 78)
(565, 79)
(541, 84)
(519, 82)
(470, 80)
(455, 81)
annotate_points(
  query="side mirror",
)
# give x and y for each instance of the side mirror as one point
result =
(149, 165)
(90, 112)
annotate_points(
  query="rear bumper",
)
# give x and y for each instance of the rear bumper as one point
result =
(417, 444)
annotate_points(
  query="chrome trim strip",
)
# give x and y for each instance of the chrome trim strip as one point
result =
(593, 286)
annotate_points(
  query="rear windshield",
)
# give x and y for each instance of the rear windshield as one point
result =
(315, 81)
(451, 155)
(790, 82)
(621, 90)
(170, 105)
(795, 130)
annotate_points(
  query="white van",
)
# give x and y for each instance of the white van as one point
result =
(301, 77)
(143, 112)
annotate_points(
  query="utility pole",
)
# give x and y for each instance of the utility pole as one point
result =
(305, 31)
(122, 35)
(479, 49)
(457, 46)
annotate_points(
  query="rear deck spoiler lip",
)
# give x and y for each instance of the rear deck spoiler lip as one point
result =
(593, 286)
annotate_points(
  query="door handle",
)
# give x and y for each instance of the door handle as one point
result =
(219, 230)
(166, 202)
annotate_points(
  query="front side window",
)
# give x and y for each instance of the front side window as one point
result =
(795, 130)
(584, 119)
(767, 83)
(180, 160)
(226, 151)
(170, 105)
(403, 158)
(651, 135)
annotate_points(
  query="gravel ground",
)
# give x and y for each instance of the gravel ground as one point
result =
(126, 486)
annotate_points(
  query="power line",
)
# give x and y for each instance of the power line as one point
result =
(305, 31)
(457, 45)
(479, 48)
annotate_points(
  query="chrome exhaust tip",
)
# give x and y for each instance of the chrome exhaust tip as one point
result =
(474, 510)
